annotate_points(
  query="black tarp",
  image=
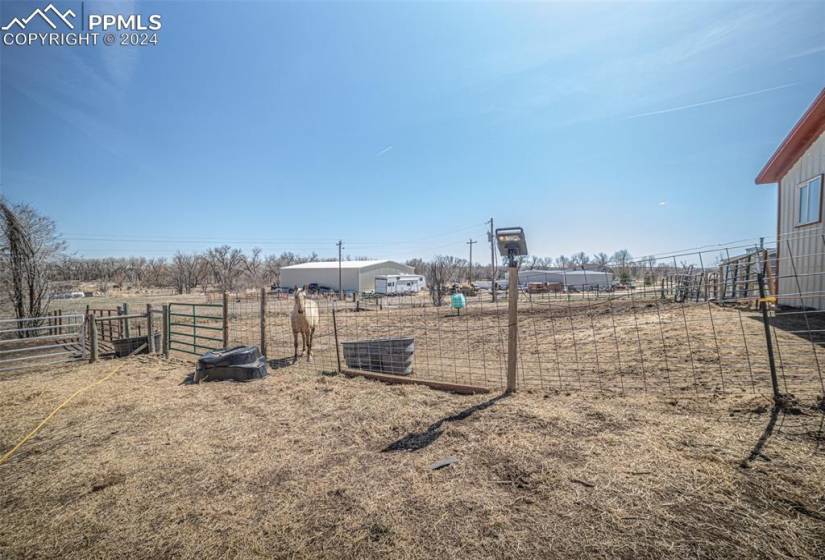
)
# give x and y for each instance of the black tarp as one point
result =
(241, 363)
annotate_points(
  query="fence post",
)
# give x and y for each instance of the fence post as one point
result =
(335, 330)
(512, 320)
(225, 319)
(126, 331)
(93, 329)
(165, 330)
(150, 335)
(263, 322)
(764, 305)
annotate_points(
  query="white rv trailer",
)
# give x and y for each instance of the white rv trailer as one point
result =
(399, 284)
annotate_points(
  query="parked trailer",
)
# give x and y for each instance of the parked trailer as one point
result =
(399, 284)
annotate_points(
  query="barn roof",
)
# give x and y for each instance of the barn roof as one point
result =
(344, 264)
(799, 139)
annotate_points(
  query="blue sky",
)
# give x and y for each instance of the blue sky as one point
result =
(401, 127)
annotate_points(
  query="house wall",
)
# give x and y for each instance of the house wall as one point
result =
(802, 247)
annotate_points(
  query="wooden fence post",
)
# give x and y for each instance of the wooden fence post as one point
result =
(165, 330)
(93, 330)
(126, 331)
(263, 322)
(150, 335)
(226, 319)
(512, 335)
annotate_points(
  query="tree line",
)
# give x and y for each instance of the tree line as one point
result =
(34, 264)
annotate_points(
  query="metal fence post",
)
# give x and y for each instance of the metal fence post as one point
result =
(263, 322)
(93, 330)
(764, 305)
(512, 320)
(166, 330)
(225, 319)
(335, 330)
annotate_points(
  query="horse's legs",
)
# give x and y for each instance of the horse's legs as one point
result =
(309, 345)
(295, 345)
(303, 342)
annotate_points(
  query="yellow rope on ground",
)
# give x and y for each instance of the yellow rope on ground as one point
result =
(11, 452)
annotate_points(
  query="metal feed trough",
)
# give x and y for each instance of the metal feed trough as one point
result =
(134, 344)
(383, 355)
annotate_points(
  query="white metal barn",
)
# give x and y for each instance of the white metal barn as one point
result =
(356, 276)
(579, 279)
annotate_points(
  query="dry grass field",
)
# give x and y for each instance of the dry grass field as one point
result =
(305, 465)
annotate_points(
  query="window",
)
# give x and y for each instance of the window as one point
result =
(810, 201)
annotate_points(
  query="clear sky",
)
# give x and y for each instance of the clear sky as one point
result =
(401, 127)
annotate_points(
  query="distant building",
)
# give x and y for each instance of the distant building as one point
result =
(798, 165)
(356, 276)
(578, 279)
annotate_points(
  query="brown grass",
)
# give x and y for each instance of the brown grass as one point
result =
(292, 466)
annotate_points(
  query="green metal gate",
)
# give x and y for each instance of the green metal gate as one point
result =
(196, 328)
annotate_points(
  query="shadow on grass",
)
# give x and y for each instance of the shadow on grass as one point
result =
(419, 440)
(807, 324)
(756, 452)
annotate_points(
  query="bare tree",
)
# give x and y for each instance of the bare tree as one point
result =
(601, 260)
(156, 272)
(272, 270)
(254, 266)
(581, 259)
(621, 259)
(29, 245)
(441, 272)
(418, 265)
(186, 272)
(226, 265)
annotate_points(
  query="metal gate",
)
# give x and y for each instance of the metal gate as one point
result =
(196, 328)
(41, 341)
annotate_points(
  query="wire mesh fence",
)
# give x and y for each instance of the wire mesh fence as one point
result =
(688, 323)
(691, 322)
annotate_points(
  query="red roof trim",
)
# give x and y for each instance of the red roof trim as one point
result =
(799, 139)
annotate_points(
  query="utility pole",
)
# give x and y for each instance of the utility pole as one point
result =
(340, 284)
(471, 243)
(492, 239)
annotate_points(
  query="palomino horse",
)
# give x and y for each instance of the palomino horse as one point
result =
(304, 319)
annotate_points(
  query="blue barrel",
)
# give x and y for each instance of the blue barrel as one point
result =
(457, 301)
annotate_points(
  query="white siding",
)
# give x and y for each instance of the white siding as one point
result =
(353, 279)
(291, 277)
(805, 244)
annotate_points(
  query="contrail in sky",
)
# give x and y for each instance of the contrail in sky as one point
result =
(711, 101)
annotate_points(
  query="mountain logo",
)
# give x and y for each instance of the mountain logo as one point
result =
(44, 15)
